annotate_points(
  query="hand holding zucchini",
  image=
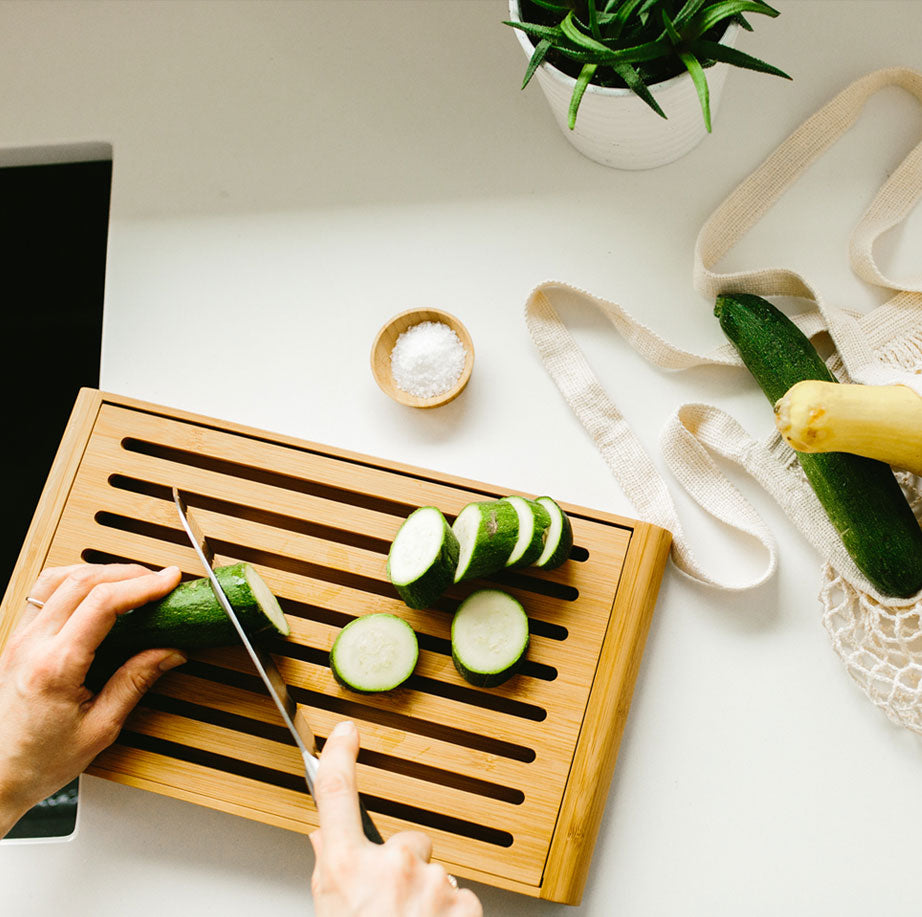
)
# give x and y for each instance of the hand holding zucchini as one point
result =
(882, 422)
(860, 495)
(190, 618)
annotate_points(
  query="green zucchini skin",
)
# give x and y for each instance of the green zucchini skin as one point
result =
(188, 618)
(561, 551)
(541, 519)
(861, 496)
(438, 576)
(497, 530)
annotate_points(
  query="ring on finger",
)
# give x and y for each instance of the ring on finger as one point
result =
(452, 881)
(38, 603)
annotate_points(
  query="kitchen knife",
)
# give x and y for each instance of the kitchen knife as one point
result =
(265, 665)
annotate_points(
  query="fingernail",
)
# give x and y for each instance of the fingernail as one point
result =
(342, 729)
(167, 572)
(171, 661)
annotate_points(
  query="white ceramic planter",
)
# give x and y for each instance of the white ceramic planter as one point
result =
(615, 127)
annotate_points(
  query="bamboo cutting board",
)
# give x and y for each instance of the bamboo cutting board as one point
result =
(510, 782)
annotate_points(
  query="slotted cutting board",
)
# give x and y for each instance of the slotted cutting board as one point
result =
(510, 782)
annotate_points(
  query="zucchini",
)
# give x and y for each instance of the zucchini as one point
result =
(423, 557)
(860, 495)
(487, 533)
(190, 618)
(489, 637)
(533, 524)
(373, 653)
(558, 538)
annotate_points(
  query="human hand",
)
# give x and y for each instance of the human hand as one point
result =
(356, 878)
(51, 724)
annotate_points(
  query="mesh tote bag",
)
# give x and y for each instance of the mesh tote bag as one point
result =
(878, 638)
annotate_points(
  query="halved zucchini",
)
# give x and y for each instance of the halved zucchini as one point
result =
(190, 617)
(423, 557)
(487, 532)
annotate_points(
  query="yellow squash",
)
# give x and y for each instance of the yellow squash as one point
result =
(882, 422)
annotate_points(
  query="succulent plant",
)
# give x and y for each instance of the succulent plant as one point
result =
(636, 43)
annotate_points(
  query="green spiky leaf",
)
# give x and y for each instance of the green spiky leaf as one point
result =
(621, 16)
(634, 82)
(713, 50)
(716, 13)
(653, 50)
(552, 33)
(585, 76)
(701, 85)
(536, 60)
(688, 10)
(594, 20)
(671, 32)
(572, 31)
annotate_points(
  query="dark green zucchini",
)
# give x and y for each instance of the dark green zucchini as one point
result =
(860, 495)
(190, 618)
(487, 533)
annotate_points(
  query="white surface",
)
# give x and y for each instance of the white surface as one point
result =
(286, 178)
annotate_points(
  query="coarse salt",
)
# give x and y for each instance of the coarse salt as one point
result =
(427, 359)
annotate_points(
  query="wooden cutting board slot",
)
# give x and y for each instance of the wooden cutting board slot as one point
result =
(510, 782)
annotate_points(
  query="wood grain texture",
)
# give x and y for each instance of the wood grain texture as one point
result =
(34, 550)
(597, 749)
(509, 782)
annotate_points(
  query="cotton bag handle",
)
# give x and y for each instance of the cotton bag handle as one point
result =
(696, 432)
(758, 193)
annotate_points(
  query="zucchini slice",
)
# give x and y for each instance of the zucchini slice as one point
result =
(376, 652)
(559, 536)
(489, 637)
(487, 533)
(423, 557)
(534, 520)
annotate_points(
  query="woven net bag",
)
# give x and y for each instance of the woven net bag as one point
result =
(878, 638)
(880, 643)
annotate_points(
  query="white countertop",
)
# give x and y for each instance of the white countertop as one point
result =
(287, 176)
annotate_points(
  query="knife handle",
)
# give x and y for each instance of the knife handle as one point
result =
(368, 826)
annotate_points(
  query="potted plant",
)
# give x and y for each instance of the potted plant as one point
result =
(634, 84)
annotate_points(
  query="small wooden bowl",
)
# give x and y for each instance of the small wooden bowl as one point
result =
(384, 344)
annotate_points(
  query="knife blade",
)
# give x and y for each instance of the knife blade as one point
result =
(265, 666)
